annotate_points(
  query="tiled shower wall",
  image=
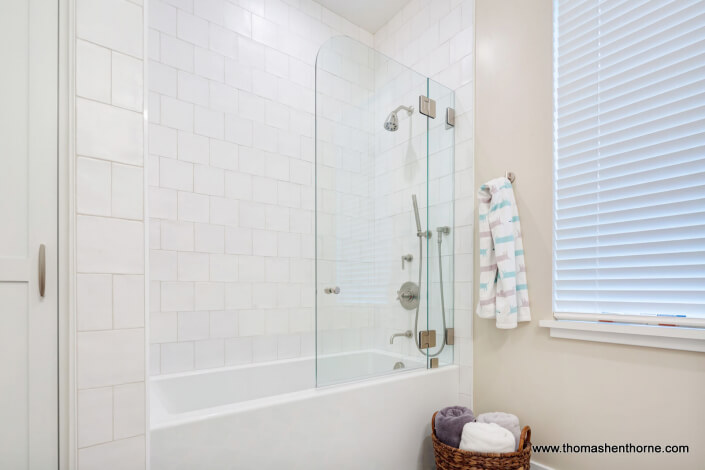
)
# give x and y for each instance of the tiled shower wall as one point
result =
(366, 176)
(109, 234)
(436, 38)
(416, 159)
(231, 110)
(400, 170)
(231, 177)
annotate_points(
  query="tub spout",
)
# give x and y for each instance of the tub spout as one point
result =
(407, 333)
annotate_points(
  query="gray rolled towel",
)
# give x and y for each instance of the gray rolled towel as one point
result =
(449, 424)
(506, 420)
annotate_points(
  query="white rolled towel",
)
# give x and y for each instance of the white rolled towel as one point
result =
(506, 420)
(486, 437)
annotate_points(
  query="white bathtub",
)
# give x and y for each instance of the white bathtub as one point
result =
(269, 416)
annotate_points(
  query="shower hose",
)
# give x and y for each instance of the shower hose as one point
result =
(443, 307)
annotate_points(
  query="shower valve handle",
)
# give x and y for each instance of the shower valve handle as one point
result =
(405, 295)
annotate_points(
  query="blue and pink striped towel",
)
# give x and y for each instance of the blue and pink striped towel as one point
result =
(503, 290)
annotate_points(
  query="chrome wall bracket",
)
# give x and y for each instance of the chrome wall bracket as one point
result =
(427, 106)
(450, 117)
(427, 339)
(450, 336)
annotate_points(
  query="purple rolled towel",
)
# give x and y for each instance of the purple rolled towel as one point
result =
(449, 424)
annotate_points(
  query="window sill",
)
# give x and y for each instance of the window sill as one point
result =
(666, 337)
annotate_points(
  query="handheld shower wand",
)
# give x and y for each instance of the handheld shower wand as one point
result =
(416, 213)
(419, 233)
(426, 234)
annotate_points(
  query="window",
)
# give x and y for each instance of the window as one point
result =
(629, 169)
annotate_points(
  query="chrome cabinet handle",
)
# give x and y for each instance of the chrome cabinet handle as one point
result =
(332, 290)
(42, 269)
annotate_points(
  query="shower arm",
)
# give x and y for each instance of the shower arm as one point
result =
(408, 109)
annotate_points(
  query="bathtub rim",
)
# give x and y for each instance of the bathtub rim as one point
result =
(250, 365)
(160, 419)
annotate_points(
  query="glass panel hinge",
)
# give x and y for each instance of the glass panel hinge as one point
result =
(427, 106)
(427, 339)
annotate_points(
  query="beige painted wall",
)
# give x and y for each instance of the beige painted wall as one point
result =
(570, 391)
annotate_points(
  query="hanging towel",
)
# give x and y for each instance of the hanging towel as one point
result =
(449, 424)
(503, 291)
(486, 437)
(508, 421)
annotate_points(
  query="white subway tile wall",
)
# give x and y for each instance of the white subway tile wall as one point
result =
(371, 174)
(436, 38)
(110, 254)
(231, 164)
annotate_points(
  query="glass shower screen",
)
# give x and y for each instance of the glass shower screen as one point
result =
(380, 164)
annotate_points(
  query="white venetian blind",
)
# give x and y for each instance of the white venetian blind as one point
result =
(629, 144)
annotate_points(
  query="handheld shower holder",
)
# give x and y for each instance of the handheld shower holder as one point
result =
(443, 230)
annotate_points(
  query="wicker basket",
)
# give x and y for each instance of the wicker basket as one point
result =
(450, 458)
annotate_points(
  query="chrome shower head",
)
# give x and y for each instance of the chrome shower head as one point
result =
(392, 122)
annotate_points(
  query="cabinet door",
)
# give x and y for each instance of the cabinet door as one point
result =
(28, 221)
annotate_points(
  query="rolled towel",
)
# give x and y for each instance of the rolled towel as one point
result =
(449, 424)
(506, 420)
(486, 437)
